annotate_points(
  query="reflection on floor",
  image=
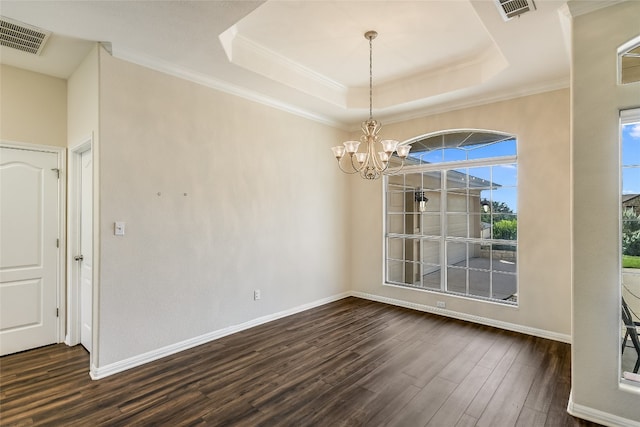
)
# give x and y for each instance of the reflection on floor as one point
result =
(504, 284)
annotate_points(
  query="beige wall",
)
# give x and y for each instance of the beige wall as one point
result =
(83, 117)
(83, 123)
(541, 124)
(33, 107)
(265, 208)
(596, 101)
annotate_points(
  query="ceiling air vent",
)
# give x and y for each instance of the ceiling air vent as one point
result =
(511, 8)
(18, 35)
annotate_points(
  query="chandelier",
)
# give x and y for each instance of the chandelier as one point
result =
(371, 163)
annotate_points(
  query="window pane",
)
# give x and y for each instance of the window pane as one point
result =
(457, 280)
(396, 181)
(431, 277)
(477, 228)
(453, 154)
(480, 177)
(479, 283)
(457, 254)
(478, 258)
(431, 224)
(433, 202)
(395, 248)
(457, 201)
(631, 144)
(397, 272)
(504, 285)
(457, 178)
(505, 175)
(505, 200)
(630, 181)
(457, 225)
(395, 201)
(432, 180)
(411, 200)
(504, 258)
(413, 180)
(630, 65)
(434, 156)
(504, 227)
(498, 149)
(630, 239)
(395, 223)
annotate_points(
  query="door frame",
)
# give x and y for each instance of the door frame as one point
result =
(73, 239)
(62, 222)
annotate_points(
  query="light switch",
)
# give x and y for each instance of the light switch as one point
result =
(118, 228)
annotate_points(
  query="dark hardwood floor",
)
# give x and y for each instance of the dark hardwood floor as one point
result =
(349, 363)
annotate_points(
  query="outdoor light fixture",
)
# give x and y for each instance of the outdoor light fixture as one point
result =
(485, 205)
(422, 201)
(368, 163)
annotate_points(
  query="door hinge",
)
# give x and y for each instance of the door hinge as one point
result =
(57, 171)
(57, 243)
(57, 312)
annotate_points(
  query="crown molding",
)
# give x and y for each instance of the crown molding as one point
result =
(549, 86)
(204, 80)
(201, 79)
(246, 53)
(577, 8)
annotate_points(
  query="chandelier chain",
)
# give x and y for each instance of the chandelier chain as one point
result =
(370, 78)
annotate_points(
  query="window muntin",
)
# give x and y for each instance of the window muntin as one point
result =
(453, 243)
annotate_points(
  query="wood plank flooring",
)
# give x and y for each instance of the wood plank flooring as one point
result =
(349, 363)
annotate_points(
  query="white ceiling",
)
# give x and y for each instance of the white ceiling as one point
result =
(311, 57)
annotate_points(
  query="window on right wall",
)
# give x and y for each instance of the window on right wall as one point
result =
(630, 243)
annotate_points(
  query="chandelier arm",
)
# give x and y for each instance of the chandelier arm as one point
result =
(346, 171)
(396, 172)
(377, 162)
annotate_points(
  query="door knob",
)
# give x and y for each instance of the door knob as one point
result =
(78, 257)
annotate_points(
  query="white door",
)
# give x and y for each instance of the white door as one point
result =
(28, 249)
(86, 241)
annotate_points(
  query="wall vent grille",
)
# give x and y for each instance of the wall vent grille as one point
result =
(18, 35)
(512, 8)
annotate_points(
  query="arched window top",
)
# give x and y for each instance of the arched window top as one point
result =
(629, 57)
(462, 145)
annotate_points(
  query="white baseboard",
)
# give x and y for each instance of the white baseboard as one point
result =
(113, 368)
(468, 317)
(123, 365)
(598, 416)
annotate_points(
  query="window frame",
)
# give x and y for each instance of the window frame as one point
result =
(444, 240)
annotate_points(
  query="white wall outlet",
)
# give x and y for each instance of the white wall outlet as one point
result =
(440, 304)
(256, 294)
(118, 228)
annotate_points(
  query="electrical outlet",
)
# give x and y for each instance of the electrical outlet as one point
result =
(440, 304)
(256, 294)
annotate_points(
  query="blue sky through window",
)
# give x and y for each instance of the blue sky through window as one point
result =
(631, 158)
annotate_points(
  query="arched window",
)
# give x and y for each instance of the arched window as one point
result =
(451, 216)
(629, 68)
